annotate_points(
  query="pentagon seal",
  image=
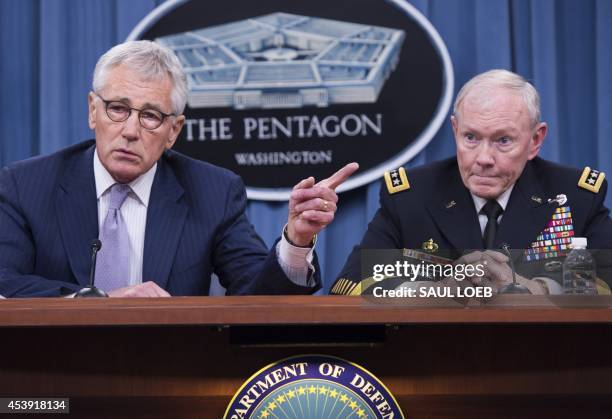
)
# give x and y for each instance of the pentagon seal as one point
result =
(313, 387)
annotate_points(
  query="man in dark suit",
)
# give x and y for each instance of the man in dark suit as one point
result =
(496, 191)
(166, 222)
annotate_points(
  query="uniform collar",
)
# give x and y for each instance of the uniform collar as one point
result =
(502, 200)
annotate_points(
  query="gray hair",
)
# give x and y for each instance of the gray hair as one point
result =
(149, 59)
(505, 79)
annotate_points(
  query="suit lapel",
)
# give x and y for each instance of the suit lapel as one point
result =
(165, 220)
(527, 212)
(77, 209)
(455, 214)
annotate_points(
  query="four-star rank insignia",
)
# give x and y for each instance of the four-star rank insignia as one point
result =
(396, 180)
(591, 179)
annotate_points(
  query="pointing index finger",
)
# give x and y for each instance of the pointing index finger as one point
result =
(340, 176)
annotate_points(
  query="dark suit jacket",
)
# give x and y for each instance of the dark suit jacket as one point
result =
(196, 225)
(438, 206)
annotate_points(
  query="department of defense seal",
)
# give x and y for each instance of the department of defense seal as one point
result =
(313, 387)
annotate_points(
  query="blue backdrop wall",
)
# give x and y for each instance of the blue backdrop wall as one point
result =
(48, 50)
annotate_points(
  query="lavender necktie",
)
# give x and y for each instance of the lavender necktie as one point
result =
(112, 266)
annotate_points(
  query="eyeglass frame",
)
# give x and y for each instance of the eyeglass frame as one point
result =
(107, 102)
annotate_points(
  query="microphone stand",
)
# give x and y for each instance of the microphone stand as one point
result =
(91, 290)
(514, 287)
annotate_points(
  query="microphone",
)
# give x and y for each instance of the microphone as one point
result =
(514, 287)
(91, 290)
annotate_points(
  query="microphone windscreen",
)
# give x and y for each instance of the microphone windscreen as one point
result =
(96, 244)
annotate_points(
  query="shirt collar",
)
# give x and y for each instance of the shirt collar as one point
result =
(141, 186)
(502, 200)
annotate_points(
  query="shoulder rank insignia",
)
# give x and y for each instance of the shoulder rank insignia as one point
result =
(591, 180)
(396, 180)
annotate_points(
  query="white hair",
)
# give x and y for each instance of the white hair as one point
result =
(495, 79)
(149, 59)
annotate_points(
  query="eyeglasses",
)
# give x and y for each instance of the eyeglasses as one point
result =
(149, 119)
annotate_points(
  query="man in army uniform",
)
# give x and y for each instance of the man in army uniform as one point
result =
(496, 192)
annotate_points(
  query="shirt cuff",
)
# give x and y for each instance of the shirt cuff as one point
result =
(550, 285)
(296, 262)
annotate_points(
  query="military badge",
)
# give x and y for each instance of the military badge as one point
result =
(556, 239)
(313, 386)
(560, 200)
(591, 179)
(396, 180)
(430, 246)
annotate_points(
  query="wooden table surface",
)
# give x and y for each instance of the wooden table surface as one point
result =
(301, 310)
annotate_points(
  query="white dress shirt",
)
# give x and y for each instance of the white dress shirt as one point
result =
(133, 211)
(296, 262)
(479, 202)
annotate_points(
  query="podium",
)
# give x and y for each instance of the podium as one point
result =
(186, 357)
